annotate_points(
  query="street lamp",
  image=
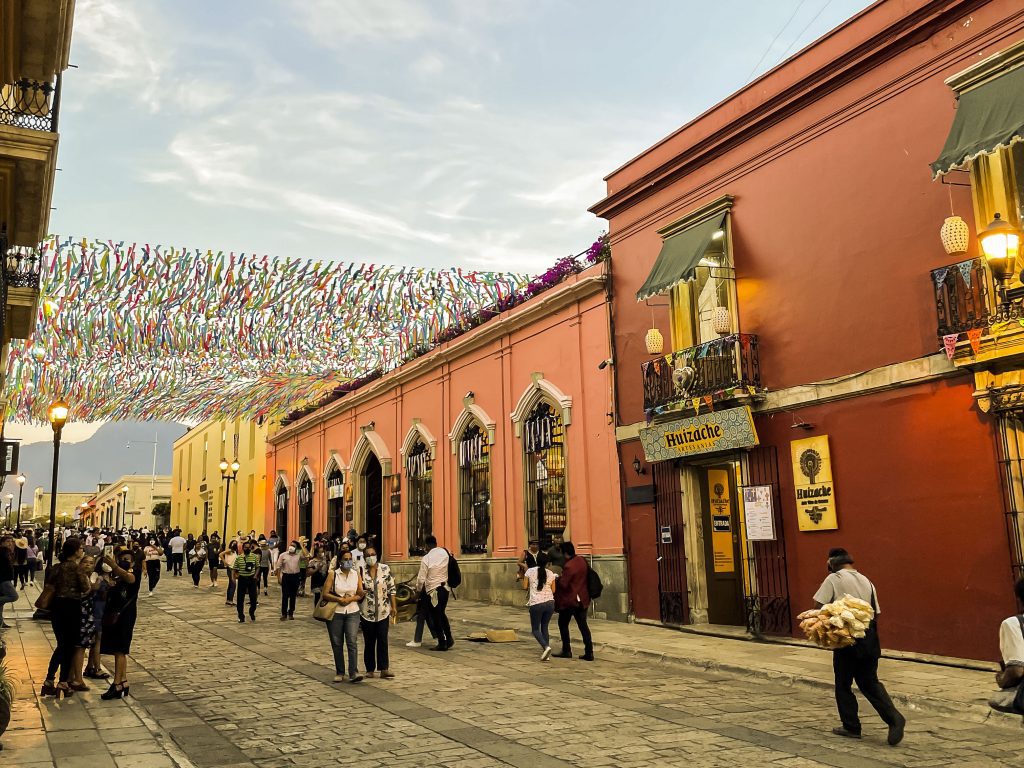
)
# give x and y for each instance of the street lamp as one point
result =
(122, 508)
(227, 476)
(21, 489)
(8, 508)
(1000, 242)
(58, 415)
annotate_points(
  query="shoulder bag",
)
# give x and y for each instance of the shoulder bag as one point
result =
(324, 609)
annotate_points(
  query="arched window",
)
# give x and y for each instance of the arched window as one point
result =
(544, 465)
(474, 490)
(335, 502)
(419, 470)
(281, 516)
(305, 499)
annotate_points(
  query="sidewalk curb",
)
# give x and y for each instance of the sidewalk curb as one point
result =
(977, 711)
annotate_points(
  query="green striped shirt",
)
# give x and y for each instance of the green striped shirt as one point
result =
(247, 565)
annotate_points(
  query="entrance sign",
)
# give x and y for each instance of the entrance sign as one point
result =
(719, 492)
(758, 514)
(707, 433)
(812, 481)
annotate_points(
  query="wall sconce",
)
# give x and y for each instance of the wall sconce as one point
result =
(396, 484)
(638, 467)
(1000, 242)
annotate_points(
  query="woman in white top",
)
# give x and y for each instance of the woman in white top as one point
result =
(227, 559)
(344, 586)
(153, 551)
(541, 585)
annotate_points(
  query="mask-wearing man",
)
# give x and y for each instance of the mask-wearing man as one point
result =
(288, 569)
(246, 566)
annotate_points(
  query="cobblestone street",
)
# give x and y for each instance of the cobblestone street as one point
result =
(207, 691)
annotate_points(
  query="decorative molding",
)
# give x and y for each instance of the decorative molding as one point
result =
(540, 389)
(334, 461)
(471, 412)
(419, 431)
(721, 205)
(988, 69)
(371, 442)
(304, 472)
(281, 482)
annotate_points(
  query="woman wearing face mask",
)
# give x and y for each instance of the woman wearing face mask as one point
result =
(227, 559)
(196, 561)
(153, 551)
(119, 618)
(317, 570)
(359, 553)
(289, 568)
(344, 587)
(213, 550)
(101, 582)
(69, 585)
(377, 612)
(87, 625)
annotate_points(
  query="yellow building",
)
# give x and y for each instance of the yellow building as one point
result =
(197, 485)
(35, 40)
(68, 505)
(132, 501)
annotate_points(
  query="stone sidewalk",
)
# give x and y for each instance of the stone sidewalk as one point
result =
(940, 689)
(80, 732)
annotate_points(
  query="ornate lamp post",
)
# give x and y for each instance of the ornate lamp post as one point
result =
(122, 507)
(58, 415)
(228, 472)
(8, 508)
(21, 490)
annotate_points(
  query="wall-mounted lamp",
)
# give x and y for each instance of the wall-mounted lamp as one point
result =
(1000, 243)
(396, 484)
(638, 467)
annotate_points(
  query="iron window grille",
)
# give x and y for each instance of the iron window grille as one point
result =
(545, 470)
(419, 469)
(305, 499)
(335, 503)
(1011, 463)
(474, 490)
(282, 515)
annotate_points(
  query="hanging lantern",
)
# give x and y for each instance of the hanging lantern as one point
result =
(721, 323)
(655, 342)
(955, 235)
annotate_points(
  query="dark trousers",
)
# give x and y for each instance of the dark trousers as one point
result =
(179, 560)
(442, 628)
(153, 572)
(423, 617)
(565, 615)
(232, 583)
(289, 589)
(853, 665)
(263, 576)
(196, 570)
(23, 573)
(375, 644)
(66, 619)
(170, 558)
(246, 587)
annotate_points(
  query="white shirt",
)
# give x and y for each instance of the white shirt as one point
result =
(177, 545)
(346, 584)
(543, 595)
(433, 570)
(1011, 641)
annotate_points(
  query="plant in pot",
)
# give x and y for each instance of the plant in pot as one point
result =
(6, 692)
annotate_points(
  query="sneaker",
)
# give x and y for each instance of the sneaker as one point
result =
(264, 591)
(896, 731)
(339, 678)
(546, 654)
(151, 593)
(841, 731)
(413, 644)
(370, 675)
(283, 617)
(356, 679)
(386, 674)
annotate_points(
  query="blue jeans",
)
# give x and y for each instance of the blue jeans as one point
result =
(343, 630)
(540, 615)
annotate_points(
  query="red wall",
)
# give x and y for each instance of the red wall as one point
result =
(919, 506)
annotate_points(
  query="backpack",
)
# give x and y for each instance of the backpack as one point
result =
(594, 585)
(454, 572)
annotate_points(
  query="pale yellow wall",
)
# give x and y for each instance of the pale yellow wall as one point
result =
(196, 478)
(67, 505)
(144, 491)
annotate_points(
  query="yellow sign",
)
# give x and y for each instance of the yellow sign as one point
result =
(722, 523)
(812, 479)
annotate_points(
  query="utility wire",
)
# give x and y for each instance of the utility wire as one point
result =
(776, 38)
(808, 26)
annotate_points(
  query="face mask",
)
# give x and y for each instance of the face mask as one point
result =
(371, 560)
(291, 550)
(346, 565)
(361, 545)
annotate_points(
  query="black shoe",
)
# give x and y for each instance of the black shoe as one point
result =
(241, 619)
(587, 657)
(451, 644)
(439, 647)
(896, 730)
(841, 731)
(563, 655)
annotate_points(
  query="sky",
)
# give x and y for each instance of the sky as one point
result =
(451, 132)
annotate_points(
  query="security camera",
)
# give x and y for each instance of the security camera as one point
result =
(604, 364)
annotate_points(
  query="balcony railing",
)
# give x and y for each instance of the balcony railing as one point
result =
(21, 269)
(961, 296)
(719, 367)
(30, 104)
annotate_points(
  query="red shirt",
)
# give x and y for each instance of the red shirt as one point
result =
(572, 584)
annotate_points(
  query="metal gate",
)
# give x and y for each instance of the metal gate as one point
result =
(668, 517)
(1011, 446)
(767, 585)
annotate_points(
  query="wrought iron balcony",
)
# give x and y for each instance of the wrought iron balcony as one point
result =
(30, 104)
(719, 368)
(961, 297)
(21, 269)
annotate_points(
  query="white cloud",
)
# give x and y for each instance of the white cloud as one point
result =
(74, 432)
(334, 22)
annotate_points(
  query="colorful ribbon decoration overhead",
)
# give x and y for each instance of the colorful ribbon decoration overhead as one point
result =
(147, 332)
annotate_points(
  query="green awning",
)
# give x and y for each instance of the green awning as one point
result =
(680, 255)
(988, 116)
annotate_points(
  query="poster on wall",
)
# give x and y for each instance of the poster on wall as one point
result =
(812, 481)
(722, 549)
(758, 513)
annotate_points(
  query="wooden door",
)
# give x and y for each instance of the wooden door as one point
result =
(722, 563)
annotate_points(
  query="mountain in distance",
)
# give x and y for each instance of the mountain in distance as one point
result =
(104, 457)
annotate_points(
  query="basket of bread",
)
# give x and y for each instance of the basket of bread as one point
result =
(839, 624)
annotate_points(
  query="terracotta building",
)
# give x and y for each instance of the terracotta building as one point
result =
(787, 243)
(494, 438)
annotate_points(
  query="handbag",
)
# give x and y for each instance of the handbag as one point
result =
(324, 609)
(45, 597)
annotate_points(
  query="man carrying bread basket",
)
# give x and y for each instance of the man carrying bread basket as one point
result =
(858, 662)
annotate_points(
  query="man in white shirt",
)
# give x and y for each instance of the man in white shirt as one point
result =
(432, 586)
(177, 547)
(858, 662)
(1011, 645)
